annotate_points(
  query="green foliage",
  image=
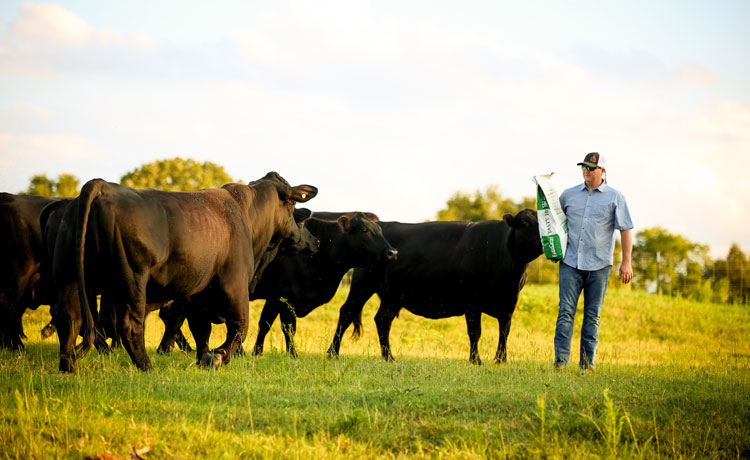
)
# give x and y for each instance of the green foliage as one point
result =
(66, 185)
(738, 275)
(480, 206)
(672, 382)
(177, 175)
(668, 263)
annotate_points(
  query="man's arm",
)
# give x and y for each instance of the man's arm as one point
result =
(626, 268)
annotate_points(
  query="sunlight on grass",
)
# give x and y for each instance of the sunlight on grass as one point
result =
(672, 380)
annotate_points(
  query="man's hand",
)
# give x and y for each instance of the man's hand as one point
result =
(626, 269)
(626, 272)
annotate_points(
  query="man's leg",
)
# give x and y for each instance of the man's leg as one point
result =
(595, 286)
(571, 284)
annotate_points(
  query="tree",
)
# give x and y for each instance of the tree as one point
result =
(177, 175)
(738, 273)
(40, 185)
(66, 185)
(480, 206)
(668, 263)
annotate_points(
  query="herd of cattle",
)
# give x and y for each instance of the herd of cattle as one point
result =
(201, 256)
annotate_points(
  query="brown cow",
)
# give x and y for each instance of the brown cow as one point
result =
(140, 246)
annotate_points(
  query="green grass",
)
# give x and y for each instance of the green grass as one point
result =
(672, 381)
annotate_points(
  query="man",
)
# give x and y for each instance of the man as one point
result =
(594, 210)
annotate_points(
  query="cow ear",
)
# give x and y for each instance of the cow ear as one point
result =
(302, 214)
(344, 223)
(508, 218)
(303, 193)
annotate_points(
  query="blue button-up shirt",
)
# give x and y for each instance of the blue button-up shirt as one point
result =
(593, 216)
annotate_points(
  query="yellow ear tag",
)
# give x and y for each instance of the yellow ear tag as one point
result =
(304, 195)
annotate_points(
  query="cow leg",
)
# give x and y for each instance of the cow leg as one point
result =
(238, 325)
(201, 329)
(289, 328)
(106, 313)
(383, 321)
(501, 356)
(5, 327)
(11, 329)
(19, 325)
(351, 312)
(239, 309)
(474, 328)
(107, 323)
(130, 322)
(17, 335)
(267, 317)
(67, 319)
(182, 342)
(49, 329)
(172, 316)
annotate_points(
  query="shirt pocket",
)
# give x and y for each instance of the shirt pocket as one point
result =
(604, 213)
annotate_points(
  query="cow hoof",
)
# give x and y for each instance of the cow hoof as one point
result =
(162, 351)
(212, 360)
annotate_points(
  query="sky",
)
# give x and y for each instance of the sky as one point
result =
(393, 106)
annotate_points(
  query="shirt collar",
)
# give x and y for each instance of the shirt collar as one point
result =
(602, 187)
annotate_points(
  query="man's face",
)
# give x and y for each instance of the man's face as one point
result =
(592, 178)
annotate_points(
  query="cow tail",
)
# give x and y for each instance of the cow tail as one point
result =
(90, 191)
(357, 332)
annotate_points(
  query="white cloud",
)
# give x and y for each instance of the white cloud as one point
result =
(49, 24)
(43, 150)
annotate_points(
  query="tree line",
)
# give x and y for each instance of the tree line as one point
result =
(663, 262)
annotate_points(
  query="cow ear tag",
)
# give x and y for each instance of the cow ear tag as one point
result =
(304, 195)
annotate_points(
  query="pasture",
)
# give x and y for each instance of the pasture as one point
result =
(672, 381)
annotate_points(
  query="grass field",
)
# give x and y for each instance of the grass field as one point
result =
(672, 381)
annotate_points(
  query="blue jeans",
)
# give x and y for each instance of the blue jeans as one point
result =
(594, 286)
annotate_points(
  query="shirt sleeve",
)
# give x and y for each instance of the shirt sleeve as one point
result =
(622, 214)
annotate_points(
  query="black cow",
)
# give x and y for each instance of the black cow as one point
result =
(306, 282)
(22, 280)
(141, 246)
(50, 221)
(447, 269)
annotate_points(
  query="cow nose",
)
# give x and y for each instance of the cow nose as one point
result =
(391, 254)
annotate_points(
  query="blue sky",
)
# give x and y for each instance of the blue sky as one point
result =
(393, 106)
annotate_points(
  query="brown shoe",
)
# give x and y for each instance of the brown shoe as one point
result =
(560, 367)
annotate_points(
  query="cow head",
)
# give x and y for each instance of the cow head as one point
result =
(307, 243)
(365, 240)
(525, 226)
(284, 224)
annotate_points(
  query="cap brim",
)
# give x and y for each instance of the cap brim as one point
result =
(588, 163)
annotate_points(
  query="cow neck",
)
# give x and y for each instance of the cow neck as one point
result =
(330, 236)
(260, 203)
(521, 258)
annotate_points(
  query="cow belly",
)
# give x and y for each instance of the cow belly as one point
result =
(433, 304)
